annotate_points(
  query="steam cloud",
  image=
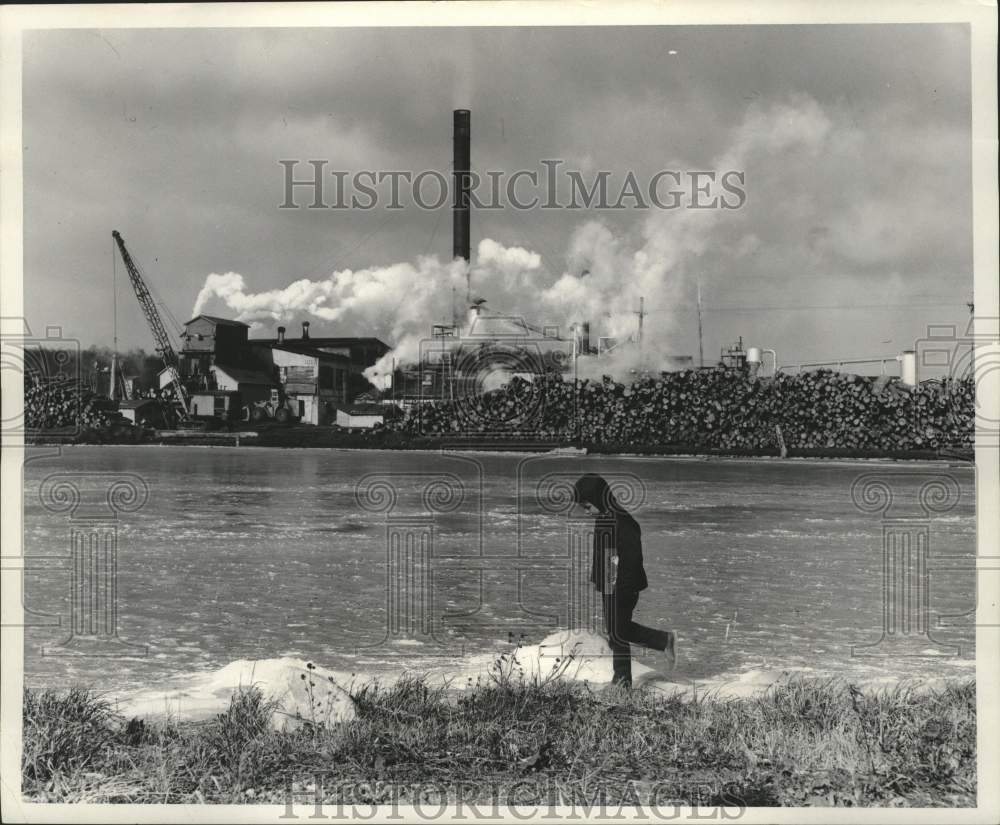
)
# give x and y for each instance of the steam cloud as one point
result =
(604, 278)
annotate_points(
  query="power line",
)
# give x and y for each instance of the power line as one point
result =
(809, 307)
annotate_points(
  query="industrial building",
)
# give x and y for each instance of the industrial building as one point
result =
(487, 349)
(318, 375)
(228, 375)
(220, 372)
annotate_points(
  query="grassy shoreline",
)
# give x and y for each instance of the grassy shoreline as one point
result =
(805, 742)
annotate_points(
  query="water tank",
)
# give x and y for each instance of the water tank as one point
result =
(908, 367)
(754, 355)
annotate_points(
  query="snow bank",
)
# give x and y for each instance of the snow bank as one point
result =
(302, 692)
(307, 692)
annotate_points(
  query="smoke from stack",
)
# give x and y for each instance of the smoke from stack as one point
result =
(614, 272)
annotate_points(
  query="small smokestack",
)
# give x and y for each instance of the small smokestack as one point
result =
(281, 335)
(305, 330)
(584, 346)
(460, 171)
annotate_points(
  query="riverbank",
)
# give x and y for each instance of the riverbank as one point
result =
(538, 741)
(334, 438)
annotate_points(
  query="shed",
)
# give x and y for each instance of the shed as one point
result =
(143, 411)
(362, 416)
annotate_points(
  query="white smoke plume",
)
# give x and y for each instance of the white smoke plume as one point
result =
(605, 275)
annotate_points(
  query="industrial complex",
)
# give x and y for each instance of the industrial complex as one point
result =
(218, 372)
(214, 374)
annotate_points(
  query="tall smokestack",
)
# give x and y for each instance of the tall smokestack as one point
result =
(460, 171)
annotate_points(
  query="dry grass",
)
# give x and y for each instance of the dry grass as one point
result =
(809, 742)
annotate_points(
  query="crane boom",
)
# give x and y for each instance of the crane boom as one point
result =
(163, 346)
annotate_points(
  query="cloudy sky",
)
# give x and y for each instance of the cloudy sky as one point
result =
(854, 140)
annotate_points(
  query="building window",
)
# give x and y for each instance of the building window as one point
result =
(302, 408)
(220, 405)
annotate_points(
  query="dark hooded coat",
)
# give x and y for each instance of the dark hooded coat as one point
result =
(615, 533)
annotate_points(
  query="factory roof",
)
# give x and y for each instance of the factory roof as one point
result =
(484, 325)
(302, 348)
(245, 376)
(318, 343)
(218, 321)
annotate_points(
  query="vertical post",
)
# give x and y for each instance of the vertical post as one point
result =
(113, 375)
(576, 387)
(113, 393)
(701, 350)
(641, 313)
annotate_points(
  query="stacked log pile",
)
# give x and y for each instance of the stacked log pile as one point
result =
(715, 409)
(50, 406)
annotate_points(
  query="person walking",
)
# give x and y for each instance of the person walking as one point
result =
(618, 574)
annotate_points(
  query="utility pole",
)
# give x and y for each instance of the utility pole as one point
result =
(701, 349)
(575, 329)
(642, 314)
(972, 334)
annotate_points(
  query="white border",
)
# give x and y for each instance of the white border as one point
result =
(982, 17)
